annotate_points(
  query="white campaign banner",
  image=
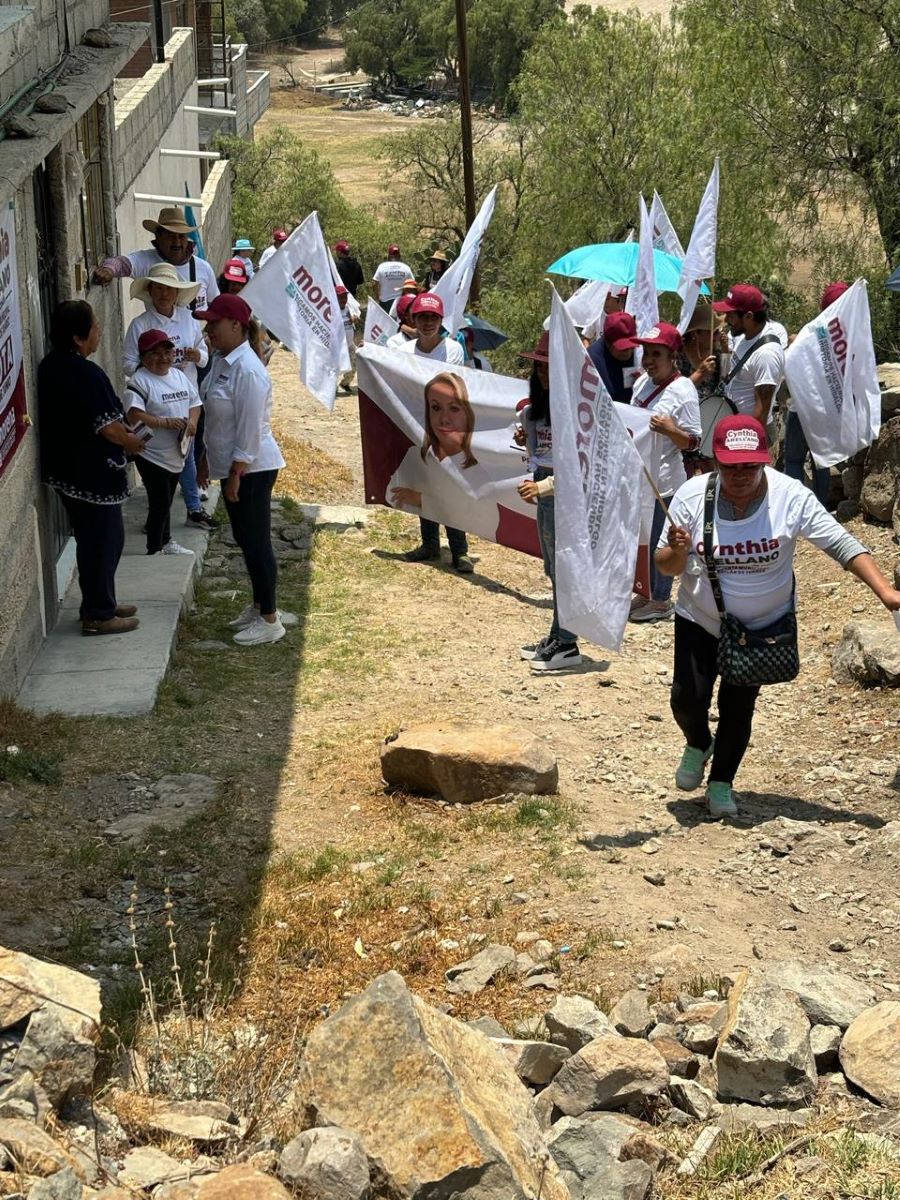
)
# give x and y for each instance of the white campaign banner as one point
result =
(600, 488)
(13, 403)
(586, 305)
(294, 296)
(379, 325)
(700, 257)
(830, 370)
(454, 285)
(643, 302)
(664, 235)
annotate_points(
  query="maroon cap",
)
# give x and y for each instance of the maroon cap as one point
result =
(404, 304)
(279, 235)
(620, 331)
(340, 290)
(151, 338)
(662, 334)
(428, 302)
(392, 249)
(541, 352)
(236, 271)
(342, 247)
(740, 439)
(831, 293)
(742, 297)
(225, 308)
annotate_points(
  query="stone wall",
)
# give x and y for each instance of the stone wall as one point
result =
(257, 97)
(216, 227)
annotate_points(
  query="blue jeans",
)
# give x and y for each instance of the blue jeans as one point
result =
(546, 526)
(188, 481)
(660, 585)
(796, 449)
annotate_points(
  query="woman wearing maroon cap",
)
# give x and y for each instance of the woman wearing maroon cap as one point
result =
(758, 515)
(671, 400)
(243, 454)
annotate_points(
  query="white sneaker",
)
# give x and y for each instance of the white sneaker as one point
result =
(261, 632)
(174, 548)
(247, 617)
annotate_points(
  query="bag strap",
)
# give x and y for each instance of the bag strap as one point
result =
(763, 341)
(709, 504)
(662, 387)
(192, 275)
(132, 387)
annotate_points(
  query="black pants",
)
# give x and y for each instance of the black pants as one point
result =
(692, 687)
(431, 538)
(251, 523)
(99, 534)
(160, 486)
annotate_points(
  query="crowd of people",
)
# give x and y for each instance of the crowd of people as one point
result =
(197, 407)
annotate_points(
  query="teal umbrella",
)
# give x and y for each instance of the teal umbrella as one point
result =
(616, 262)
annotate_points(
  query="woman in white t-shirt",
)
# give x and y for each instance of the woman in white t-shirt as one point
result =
(758, 517)
(671, 400)
(168, 404)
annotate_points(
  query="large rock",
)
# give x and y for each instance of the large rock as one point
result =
(693, 1098)
(870, 1052)
(438, 1110)
(64, 1185)
(240, 1182)
(34, 1151)
(889, 381)
(828, 996)
(206, 1121)
(590, 1153)
(467, 763)
(472, 976)
(573, 1021)
(608, 1073)
(631, 1015)
(868, 652)
(62, 1011)
(742, 1118)
(764, 1053)
(881, 474)
(326, 1164)
(536, 1063)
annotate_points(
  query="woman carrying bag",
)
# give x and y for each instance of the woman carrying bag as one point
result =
(732, 537)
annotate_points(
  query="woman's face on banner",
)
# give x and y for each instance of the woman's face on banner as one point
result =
(448, 418)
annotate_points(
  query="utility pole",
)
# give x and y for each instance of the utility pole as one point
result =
(465, 119)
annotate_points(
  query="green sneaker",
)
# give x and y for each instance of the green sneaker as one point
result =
(720, 800)
(689, 774)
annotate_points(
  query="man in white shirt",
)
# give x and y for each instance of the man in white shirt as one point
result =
(427, 313)
(387, 282)
(279, 237)
(171, 244)
(757, 359)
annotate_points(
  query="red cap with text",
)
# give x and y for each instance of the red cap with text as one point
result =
(740, 439)
(833, 292)
(225, 308)
(151, 338)
(236, 271)
(742, 297)
(662, 334)
(620, 331)
(428, 302)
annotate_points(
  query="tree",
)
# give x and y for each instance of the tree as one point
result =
(500, 35)
(248, 18)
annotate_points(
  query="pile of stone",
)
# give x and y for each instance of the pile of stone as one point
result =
(870, 481)
(398, 1099)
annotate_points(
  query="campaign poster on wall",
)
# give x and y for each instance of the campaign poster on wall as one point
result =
(13, 409)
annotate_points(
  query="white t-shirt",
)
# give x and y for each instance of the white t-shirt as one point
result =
(679, 401)
(755, 556)
(169, 395)
(389, 276)
(449, 492)
(142, 260)
(448, 350)
(237, 396)
(180, 328)
(765, 366)
(267, 254)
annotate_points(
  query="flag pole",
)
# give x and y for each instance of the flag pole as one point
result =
(465, 121)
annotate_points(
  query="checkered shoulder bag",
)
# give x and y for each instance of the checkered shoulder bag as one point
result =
(748, 657)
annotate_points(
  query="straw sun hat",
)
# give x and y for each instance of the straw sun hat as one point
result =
(166, 274)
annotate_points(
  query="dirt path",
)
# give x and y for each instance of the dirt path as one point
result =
(807, 867)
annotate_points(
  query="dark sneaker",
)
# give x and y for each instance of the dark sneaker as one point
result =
(528, 652)
(202, 518)
(556, 656)
(113, 625)
(463, 564)
(422, 554)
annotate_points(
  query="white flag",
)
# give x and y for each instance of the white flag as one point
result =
(700, 259)
(379, 324)
(294, 296)
(587, 303)
(453, 286)
(642, 300)
(599, 484)
(830, 369)
(664, 235)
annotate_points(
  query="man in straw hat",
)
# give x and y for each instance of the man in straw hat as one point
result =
(171, 244)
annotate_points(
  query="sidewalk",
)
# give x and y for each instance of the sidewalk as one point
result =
(119, 676)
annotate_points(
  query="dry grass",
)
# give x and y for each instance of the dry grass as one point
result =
(308, 472)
